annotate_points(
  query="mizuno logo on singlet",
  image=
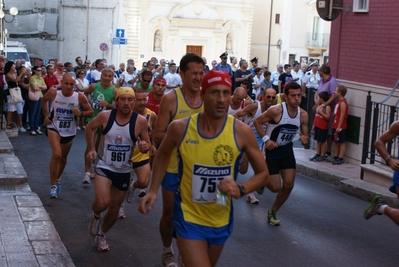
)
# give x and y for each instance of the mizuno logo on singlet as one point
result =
(118, 148)
(184, 111)
(190, 141)
(200, 170)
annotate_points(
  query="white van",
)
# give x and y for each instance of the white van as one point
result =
(16, 51)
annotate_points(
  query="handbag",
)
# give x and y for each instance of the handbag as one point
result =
(33, 95)
(16, 96)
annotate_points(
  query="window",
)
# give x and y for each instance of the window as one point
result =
(315, 29)
(361, 5)
(277, 19)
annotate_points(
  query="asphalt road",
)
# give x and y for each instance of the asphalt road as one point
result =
(320, 226)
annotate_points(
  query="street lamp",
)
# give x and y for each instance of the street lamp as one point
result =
(13, 12)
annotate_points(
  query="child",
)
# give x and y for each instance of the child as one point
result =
(339, 125)
(320, 126)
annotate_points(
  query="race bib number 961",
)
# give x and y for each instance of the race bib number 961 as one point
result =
(206, 180)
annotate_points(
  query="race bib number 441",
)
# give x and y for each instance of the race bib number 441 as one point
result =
(205, 181)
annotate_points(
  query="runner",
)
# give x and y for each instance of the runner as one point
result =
(61, 125)
(120, 129)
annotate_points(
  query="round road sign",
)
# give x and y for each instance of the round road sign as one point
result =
(103, 47)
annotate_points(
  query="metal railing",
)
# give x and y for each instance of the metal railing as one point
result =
(378, 118)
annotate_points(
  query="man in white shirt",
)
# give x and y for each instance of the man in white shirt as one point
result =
(296, 72)
(173, 79)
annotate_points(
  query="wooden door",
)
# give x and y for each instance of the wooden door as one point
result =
(194, 49)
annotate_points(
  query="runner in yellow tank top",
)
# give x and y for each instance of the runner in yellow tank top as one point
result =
(177, 104)
(202, 226)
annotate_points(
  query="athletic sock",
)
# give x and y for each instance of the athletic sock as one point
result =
(168, 249)
(382, 208)
(88, 173)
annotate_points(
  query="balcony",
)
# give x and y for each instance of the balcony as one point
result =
(317, 40)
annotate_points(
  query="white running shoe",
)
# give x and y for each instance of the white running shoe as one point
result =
(102, 245)
(86, 179)
(252, 199)
(22, 130)
(168, 260)
(130, 195)
(121, 212)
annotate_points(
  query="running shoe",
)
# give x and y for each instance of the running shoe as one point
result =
(372, 209)
(53, 192)
(142, 193)
(121, 212)
(58, 186)
(39, 132)
(94, 225)
(272, 218)
(168, 260)
(252, 199)
(86, 179)
(78, 128)
(22, 130)
(102, 245)
(312, 158)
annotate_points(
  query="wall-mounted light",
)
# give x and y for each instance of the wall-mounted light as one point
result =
(13, 12)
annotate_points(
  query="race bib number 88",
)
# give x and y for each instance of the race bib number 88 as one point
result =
(205, 182)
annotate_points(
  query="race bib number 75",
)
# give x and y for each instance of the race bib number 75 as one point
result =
(205, 182)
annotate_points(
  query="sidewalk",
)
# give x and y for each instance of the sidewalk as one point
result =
(29, 238)
(27, 235)
(346, 176)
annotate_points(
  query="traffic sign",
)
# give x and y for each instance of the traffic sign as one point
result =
(119, 41)
(103, 47)
(120, 33)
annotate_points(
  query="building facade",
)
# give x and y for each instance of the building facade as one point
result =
(363, 56)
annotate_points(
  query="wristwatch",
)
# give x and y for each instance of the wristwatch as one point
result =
(242, 189)
(387, 159)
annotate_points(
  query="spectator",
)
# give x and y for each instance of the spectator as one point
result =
(266, 82)
(257, 81)
(284, 78)
(50, 79)
(320, 127)
(81, 84)
(35, 106)
(173, 79)
(340, 124)
(24, 85)
(12, 82)
(275, 75)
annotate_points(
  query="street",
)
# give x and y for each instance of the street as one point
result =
(320, 226)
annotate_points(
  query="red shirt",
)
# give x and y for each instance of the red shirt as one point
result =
(320, 122)
(153, 104)
(50, 81)
(337, 113)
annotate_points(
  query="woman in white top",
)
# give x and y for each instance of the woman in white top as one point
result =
(81, 84)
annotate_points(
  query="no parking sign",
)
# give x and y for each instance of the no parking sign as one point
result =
(103, 47)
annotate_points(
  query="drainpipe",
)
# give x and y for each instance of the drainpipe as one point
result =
(87, 28)
(270, 33)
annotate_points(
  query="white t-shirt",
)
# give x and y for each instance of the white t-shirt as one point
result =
(172, 79)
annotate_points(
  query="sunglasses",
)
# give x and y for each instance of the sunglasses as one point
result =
(269, 96)
(147, 81)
